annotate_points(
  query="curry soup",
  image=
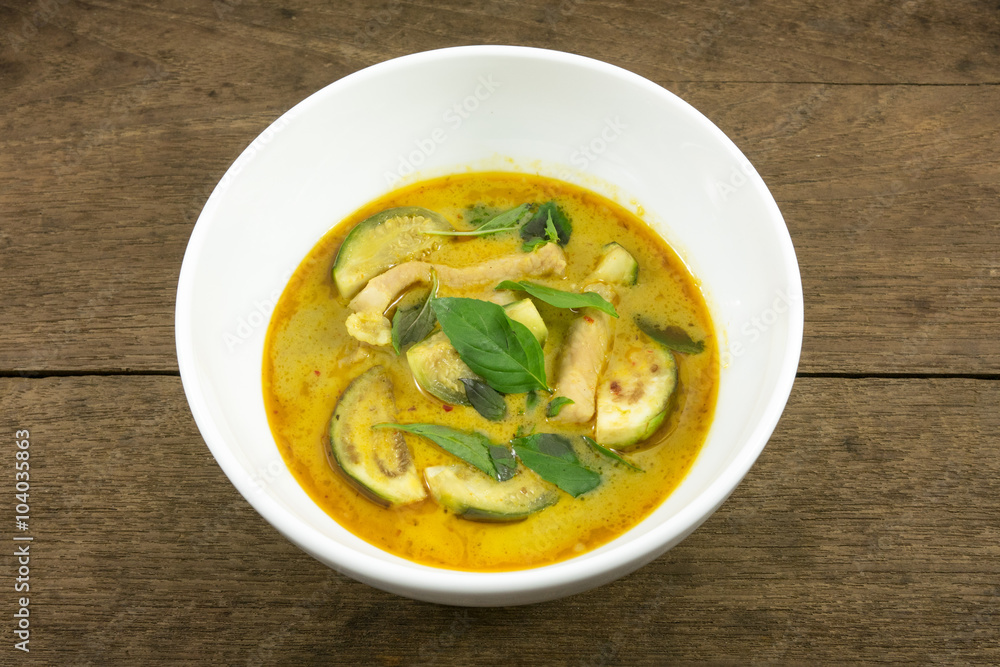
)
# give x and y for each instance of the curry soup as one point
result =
(310, 359)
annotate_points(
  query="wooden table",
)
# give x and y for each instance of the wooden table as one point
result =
(868, 531)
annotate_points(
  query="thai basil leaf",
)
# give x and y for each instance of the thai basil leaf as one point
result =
(535, 228)
(473, 448)
(501, 222)
(557, 404)
(561, 298)
(505, 221)
(479, 213)
(504, 462)
(486, 400)
(551, 236)
(611, 454)
(531, 400)
(529, 246)
(551, 233)
(672, 337)
(412, 325)
(498, 349)
(552, 457)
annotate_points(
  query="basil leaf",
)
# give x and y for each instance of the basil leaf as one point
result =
(473, 448)
(672, 337)
(531, 400)
(501, 222)
(486, 400)
(551, 233)
(552, 457)
(498, 349)
(479, 213)
(551, 236)
(557, 404)
(412, 325)
(504, 462)
(611, 454)
(535, 228)
(561, 298)
(529, 246)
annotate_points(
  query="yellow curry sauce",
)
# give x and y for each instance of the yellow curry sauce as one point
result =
(309, 359)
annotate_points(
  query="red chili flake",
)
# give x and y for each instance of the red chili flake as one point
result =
(590, 320)
(447, 408)
(316, 372)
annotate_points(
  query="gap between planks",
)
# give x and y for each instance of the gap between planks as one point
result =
(43, 374)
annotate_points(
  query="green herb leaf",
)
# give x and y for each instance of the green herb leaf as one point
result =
(536, 227)
(529, 246)
(551, 233)
(473, 448)
(672, 337)
(479, 213)
(557, 404)
(485, 399)
(501, 222)
(561, 298)
(501, 351)
(531, 400)
(552, 457)
(504, 462)
(551, 236)
(611, 454)
(412, 325)
(505, 221)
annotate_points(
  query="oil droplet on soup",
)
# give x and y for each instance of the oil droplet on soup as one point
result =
(309, 360)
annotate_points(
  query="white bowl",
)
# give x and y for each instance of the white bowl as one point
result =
(468, 109)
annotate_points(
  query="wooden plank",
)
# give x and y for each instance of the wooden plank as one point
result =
(918, 41)
(119, 120)
(889, 192)
(866, 532)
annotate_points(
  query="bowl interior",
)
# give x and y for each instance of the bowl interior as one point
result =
(470, 109)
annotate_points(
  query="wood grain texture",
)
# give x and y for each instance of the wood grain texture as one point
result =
(892, 198)
(867, 532)
(120, 118)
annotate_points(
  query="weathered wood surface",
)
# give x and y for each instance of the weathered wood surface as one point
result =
(120, 118)
(867, 531)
